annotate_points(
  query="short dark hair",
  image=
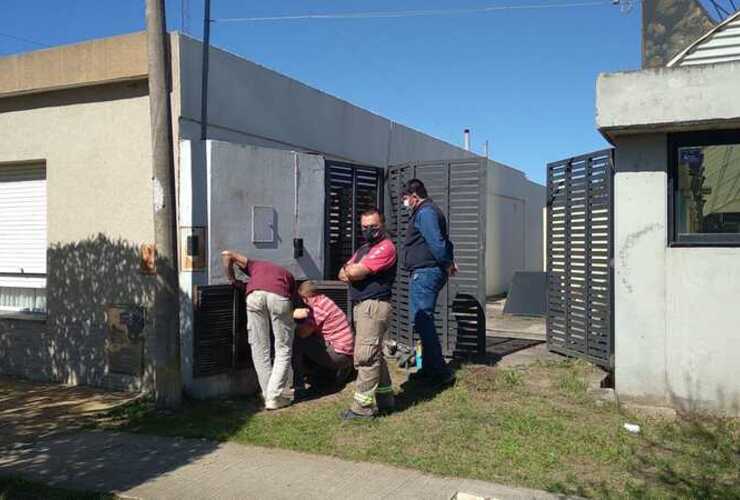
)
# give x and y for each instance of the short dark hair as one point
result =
(373, 211)
(415, 186)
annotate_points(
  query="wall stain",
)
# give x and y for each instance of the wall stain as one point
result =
(624, 252)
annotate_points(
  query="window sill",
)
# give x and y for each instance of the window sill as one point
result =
(23, 316)
(703, 244)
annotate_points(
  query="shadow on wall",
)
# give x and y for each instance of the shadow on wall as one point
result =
(75, 345)
(698, 402)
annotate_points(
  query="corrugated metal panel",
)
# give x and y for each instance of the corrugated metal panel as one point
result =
(23, 223)
(215, 329)
(350, 190)
(459, 189)
(719, 45)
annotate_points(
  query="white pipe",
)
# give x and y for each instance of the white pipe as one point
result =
(467, 139)
(295, 192)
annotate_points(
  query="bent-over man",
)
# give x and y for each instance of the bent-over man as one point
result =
(270, 291)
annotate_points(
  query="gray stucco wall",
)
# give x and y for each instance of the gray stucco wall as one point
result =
(243, 177)
(676, 333)
(668, 98)
(95, 142)
(251, 104)
(514, 234)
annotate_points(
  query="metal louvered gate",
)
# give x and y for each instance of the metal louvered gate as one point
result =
(580, 252)
(220, 330)
(459, 188)
(350, 190)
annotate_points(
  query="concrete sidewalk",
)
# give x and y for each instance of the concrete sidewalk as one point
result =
(151, 467)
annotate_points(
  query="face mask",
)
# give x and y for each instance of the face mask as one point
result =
(372, 235)
(407, 204)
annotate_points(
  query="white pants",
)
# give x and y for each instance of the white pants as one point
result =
(263, 309)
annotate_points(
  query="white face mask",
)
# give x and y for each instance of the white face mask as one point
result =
(407, 203)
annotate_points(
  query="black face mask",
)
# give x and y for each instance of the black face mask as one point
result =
(372, 235)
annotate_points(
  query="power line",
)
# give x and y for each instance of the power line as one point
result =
(26, 40)
(410, 13)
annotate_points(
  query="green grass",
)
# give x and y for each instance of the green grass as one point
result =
(15, 488)
(536, 427)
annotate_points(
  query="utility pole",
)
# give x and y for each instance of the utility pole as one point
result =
(166, 340)
(204, 84)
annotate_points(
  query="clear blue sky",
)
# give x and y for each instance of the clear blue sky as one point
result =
(523, 79)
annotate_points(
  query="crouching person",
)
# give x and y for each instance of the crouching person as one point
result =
(370, 274)
(323, 338)
(269, 292)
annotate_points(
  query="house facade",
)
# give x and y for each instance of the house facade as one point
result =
(76, 194)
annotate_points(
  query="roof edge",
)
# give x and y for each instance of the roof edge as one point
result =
(94, 62)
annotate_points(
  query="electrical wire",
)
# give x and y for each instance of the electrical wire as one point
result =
(410, 13)
(26, 40)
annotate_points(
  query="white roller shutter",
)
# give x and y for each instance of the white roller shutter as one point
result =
(23, 225)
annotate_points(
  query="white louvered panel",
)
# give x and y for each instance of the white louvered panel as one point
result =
(722, 45)
(22, 222)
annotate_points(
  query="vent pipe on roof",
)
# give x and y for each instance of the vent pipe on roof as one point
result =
(485, 149)
(467, 139)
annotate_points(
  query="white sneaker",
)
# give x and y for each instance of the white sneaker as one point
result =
(277, 403)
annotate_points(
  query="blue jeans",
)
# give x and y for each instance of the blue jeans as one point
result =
(424, 287)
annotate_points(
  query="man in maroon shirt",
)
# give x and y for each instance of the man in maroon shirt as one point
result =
(269, 292)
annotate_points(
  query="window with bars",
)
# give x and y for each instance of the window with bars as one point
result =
(350, 191)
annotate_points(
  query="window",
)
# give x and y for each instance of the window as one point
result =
(23, 238)
(704, 186)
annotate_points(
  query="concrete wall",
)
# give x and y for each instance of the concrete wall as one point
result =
(676, 334)
(96, 146)
(514, 234)
(242, 177)
(251, 104)
(668, 98)
(192, 212)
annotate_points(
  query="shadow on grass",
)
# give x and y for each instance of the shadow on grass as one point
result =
(413, 393)
(16, 488)
(695, 457)
(701, 461)
(216, 420)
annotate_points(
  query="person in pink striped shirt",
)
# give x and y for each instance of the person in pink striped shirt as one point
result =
(323, 337)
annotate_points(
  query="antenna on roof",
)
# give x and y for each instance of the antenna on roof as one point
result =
(625, 6)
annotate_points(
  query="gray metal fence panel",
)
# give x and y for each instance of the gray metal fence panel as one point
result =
(350, 190)
(580, 242)
(219, 330)
(459, 188)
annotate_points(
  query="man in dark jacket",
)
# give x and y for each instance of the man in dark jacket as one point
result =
(429, 257)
